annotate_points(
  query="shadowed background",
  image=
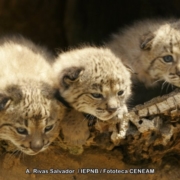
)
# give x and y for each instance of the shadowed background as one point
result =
(60, 24)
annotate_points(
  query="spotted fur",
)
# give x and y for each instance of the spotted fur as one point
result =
(152, 49)
(92, 80)
(30, 115)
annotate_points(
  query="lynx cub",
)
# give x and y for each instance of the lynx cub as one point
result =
(29, 113)
(152, 49)
(92, 80)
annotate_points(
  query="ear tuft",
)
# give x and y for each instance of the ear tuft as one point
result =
(4, 101)
(146, 41)
(72, 75)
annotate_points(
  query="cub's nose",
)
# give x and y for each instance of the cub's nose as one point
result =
(36, 145)
(112, 109)
(37, 148)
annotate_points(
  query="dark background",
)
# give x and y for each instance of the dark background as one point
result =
(60, 24)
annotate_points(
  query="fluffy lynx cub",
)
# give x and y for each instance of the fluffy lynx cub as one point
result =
(29, 113)
(92, 80)
(151, 49)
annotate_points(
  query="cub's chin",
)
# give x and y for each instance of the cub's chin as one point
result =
(107, 116)
(118, 114)
(31, 152)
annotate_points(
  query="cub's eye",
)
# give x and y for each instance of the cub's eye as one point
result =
(168, 59)
(22, 131)
(96, 95)
(48, 128)
(120, 93)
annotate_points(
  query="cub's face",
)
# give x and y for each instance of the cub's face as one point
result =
(29, 119)
(102, 95)
(161, 51)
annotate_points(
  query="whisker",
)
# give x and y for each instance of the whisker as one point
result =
(23, 156)
(167, 87)
(83, 119)
(86, 116)
(20, 153)
(163, 85)
(11, 155)
(157, 81)
(92, 120)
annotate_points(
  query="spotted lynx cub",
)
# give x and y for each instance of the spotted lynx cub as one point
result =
(29, 113)
(151, 48)
(92, 80)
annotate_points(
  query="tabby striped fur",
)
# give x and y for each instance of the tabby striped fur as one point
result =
(29, 113)
(152, 49)
(92, 80)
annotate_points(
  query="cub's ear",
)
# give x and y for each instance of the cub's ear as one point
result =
(72, 75)
(4, 101)
(146, 41)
